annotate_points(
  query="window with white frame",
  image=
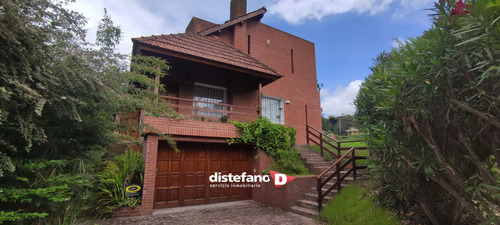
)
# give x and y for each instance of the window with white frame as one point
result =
(205, 95)
(273, 109)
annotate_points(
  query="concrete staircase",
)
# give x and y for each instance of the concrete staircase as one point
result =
(308, 206)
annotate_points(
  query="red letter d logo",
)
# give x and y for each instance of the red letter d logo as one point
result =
(280, 179)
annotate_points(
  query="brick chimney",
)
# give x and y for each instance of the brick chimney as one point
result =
(238, 8)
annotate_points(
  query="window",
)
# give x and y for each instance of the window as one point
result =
(248, 43)
(209, 94)
(291, 59)
(273, 109)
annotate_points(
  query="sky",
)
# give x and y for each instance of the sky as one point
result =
(348, 34)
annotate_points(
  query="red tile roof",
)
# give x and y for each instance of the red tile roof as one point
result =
(210, 48)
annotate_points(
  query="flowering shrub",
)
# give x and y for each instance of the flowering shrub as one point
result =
(431, 112)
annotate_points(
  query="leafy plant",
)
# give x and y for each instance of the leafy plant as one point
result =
(277, 141)
(224, 118)
(124, 170)
(58, 96)
(430, 111)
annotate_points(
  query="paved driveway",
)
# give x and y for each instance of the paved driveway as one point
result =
(241, 212)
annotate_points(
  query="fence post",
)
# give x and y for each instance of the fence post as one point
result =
(339, 187)
(321, 144)
(307, 134)
(354, 163)
(320, 195)
(339, 153)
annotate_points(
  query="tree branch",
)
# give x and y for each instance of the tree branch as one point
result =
(476, 113)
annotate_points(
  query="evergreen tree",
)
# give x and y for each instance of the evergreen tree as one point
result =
(58, 99)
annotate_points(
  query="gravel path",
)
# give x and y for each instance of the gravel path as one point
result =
(242, 212)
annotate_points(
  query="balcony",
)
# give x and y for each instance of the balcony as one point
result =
(211, 111)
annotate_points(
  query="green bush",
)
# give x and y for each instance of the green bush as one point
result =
(275, 140)
(354, 206)
(431, 112)
(124, 170)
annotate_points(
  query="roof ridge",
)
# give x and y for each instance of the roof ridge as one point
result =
(250, 15)
(235, 18)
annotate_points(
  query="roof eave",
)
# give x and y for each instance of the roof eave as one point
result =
(268, 78)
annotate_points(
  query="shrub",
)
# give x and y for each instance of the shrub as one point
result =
(430, 111)
(124, 170)
(275, 140)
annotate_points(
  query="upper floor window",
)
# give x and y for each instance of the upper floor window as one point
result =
(209, 97)
(273, 109)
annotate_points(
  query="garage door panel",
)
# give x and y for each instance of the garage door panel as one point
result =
(224, 165)
(201, 154)
(182, 177)
(162, 180)
(190, 154)
(176, 155)
(161, 195)
(201, 165)
(189, 192)
(214, 166)
(175, 166)
(162, 166)
(200, 193)
(170, 180)
(201, 178)
(189, 165)
(174, 194)
(189, 179)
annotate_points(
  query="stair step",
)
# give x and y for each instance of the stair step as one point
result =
(324, 189)
(308, 204)
(304, 211)
(313, 158)
(314, 196)
(318, 164)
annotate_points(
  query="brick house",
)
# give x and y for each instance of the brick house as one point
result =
(239, 70)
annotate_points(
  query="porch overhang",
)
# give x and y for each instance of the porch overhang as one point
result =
(207, 50)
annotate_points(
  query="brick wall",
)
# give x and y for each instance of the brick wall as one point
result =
(285, 196)
(127, 212)
(192, 128)
(150, 153)
(260, 161)
(299, 87)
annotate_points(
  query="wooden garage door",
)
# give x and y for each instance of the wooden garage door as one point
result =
(183, 177)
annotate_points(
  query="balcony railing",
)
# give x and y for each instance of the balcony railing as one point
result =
(206, 109)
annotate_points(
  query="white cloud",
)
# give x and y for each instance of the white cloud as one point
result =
(407, 7)
(340, 100)
(296, 11)
(144, 18)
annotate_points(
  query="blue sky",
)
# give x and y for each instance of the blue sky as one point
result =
(348, 34)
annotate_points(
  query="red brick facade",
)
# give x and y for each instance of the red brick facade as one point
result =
(150, 153)
(192, 128)
(285, 196)
(274, 48)
(284, 64)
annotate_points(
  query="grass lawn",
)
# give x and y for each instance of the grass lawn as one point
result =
(354, 205)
